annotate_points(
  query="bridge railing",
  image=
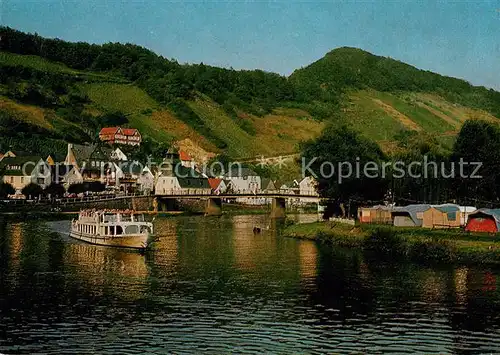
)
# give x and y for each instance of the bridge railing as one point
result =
(63, 200)
(242, 192)
(174, 192)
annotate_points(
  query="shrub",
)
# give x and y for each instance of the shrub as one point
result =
(32, 190)
(433, 250)
(6, 189)
(385, 243)
(55, 190)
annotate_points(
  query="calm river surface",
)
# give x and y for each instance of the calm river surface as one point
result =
(213, 286)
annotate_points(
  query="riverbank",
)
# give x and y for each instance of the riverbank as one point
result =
(388, 242)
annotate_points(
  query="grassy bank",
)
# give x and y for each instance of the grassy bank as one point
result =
(421, 245)
(232, 208)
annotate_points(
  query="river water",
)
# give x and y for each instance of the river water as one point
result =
(213, 286)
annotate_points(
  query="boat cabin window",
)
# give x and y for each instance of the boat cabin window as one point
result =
(132, 229)
(139, 218)
(119, 230)
(126, 218)
(109, 218)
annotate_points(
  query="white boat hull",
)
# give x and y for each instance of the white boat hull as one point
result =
(134, 241)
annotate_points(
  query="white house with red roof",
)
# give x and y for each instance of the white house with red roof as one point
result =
(218, 186)
(118, 135)
(186, 159)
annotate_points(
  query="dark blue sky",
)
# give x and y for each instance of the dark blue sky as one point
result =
(459, 39)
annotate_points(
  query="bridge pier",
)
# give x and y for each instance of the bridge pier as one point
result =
(214, 206)
(155, 204)
(165, 204)
(278, 207)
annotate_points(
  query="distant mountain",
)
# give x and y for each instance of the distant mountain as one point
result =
(348, 67)
(53, 92)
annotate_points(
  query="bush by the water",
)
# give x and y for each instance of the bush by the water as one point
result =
(433, 250)
(385, 243)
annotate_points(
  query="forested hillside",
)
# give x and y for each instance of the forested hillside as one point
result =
(55, 91)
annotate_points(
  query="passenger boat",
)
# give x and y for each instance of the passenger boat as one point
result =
(116, 228)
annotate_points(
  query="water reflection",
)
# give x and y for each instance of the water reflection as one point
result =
(212, 285)
(108, 270)
(308, 259)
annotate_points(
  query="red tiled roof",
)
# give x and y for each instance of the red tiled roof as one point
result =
(185, 156)
(129, 131)
(109, 130)
(114, 130)
(214, 183)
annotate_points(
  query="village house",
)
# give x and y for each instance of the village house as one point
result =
(186, 159)
(176, 179)
(307, 190)
(118, 155)
(484, 220)
(23, 170)
(9, 153)
(65, 175)
(93, 162)
(243, 180)
(173, 185)
(267, 185)
(50, 160)
(194, 186)
(132, 177)
(218, 186)
(307, 186)
(289, 187)
(118, 135)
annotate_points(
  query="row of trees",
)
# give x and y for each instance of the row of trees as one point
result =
(419, 171)
(165, 80)
(53, 190)
(323, 80)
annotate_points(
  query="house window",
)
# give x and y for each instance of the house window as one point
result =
(22, 180)
(42, 169)
(11, 179)
(92, 163)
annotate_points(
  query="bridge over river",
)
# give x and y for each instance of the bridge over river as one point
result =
(212, 203)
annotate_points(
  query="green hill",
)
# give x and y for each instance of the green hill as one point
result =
(54, 91)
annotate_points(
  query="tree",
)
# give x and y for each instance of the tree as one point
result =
(218, 165)
(112, 119)
(76, 188)
(427, 182)
(55, 190)
(32, 190)
(6, 189)
(328, 159)
(93, 186)
(478, 141)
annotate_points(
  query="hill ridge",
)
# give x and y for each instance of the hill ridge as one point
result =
(87, 85)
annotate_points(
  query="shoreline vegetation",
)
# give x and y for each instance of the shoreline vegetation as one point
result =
(399, 243)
